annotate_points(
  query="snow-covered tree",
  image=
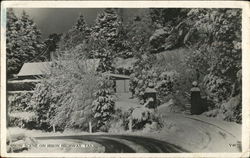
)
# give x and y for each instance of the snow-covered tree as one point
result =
(103, 105)
(12, 29)
(139, 29)
(104, 39)
(107, 26)
(76, 35)
(23, 41)
(218, 47)
(30, 36)
(65, 98)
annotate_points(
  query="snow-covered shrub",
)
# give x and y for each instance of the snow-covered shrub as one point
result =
(19, 102)
(163, 82)
(231, 110)
(172, 106)
(154, 126)
(212, 113)
(165, 85)
(143, 116)
(116, 126)
(229, 107)
(166, 71)
(118, 122)
(23, 120)
(218, 88)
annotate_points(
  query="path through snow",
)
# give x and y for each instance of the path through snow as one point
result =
(196, 133)
(200, 134)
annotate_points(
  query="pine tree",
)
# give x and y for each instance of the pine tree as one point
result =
(23, 41)
(12, 28)
(30, 36)
(107, 26)
(76, 35)
(105, 35)
(139, 29)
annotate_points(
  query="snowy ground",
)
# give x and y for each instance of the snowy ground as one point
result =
(196, 133)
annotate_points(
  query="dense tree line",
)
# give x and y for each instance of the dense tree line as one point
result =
(173, 46)
(214, 37)
(23, 41)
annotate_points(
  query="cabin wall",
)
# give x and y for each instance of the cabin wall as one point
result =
(122, 86)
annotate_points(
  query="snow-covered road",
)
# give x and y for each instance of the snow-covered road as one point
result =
(118, 143)
(200, 134)
(181, 133)
(195, 133)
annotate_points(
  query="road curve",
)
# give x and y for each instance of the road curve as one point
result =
(115, 143)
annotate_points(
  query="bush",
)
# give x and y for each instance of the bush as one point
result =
(212, 113)
(116, 126)
(218, 88)
(232, 110)
(23, 120)
(163, 82)
(118, 122)
(166, 71)
(229, 111)
(143, 116)
(154, 126)
(19, 102)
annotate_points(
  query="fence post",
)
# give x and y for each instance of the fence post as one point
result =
(54, 128)
(90, 127)
(130, 125)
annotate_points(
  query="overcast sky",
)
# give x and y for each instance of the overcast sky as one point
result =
(59, 20)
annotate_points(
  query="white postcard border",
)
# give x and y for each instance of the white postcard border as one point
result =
(135, 4)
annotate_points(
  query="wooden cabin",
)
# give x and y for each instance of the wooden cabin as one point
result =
(27, 78)
(31, 74)
(121, 82)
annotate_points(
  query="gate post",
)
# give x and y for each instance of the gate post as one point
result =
(54, 128)
(90, 127)
(130, 125)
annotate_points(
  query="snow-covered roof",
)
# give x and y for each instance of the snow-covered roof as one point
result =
(33, 69)
(42, 68)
